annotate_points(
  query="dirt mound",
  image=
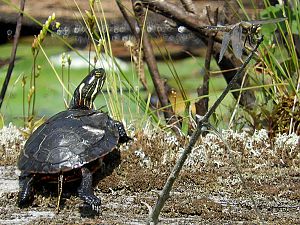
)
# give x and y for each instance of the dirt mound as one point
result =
(208, 191)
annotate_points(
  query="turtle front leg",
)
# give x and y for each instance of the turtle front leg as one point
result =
(122, 132)
(85, 190)
(25, 197)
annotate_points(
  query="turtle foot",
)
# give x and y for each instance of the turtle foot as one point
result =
(93, 201)
(24, 201)
(85, 190)
(122, 133)
(25, 196)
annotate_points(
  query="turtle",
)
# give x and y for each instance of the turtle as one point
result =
(70, 145)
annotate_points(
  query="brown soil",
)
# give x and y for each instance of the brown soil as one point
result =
(202, 195)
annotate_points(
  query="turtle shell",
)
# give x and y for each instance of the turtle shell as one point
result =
(69, 140)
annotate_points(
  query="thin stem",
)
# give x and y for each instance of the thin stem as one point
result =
(127, 18)
(13, 53)
(33, 84)
(23, 98)
(170, 117)
(165, 193)
(233, 81)
(202, 104)
(68, 85)
(239, 172)
(189, 6)
(136, 51)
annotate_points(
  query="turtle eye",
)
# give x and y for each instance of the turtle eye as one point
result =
(99, 73)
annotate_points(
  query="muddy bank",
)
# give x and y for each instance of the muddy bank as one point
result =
(209, 190)
(191, 203)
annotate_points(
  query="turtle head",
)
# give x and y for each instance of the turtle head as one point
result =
(87, 90)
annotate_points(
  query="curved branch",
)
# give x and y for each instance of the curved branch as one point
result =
(170, 117)
(197, 24)
(13, 53)
(201, 125)
(189, 6)
(190, 20)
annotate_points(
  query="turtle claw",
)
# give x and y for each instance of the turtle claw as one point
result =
(93, 202)
(96, 208)
(85, 190)
(90, 210)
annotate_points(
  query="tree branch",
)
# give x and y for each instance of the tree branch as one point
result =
(189, 6)
(202, 104)
(135, 51)
(127, 18)
(202, 123)
(196, 24)
(13, 53)
(170, 117)
(189, 20)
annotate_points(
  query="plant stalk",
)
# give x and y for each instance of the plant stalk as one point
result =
(202, 104)
(170, 117)
(13, 53)
(165, 193)
(196, 24)
(189, 6)
(136, 51)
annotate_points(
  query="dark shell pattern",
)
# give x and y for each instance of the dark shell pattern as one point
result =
(69, 140)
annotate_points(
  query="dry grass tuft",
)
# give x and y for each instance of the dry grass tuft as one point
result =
(154, 149)
(11, 143)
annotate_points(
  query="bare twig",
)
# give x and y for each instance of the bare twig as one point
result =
(189, 6)
(202, 104)
(135, 50)
(196, 23)
(165, 193)
(237, 76)
(208, 12)
(152, 65)
(127, 18)
(13, 53)
(180, 16)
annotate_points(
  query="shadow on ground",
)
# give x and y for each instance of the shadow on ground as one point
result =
(209, 190)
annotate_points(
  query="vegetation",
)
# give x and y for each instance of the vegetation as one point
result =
(265, 97)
